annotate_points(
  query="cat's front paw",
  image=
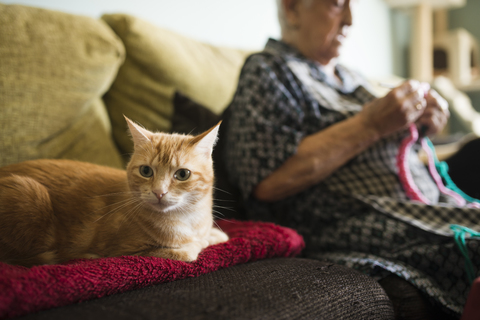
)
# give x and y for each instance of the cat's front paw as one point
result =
(188, 252)
(217, 236)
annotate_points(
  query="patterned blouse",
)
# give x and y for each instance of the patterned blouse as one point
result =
(359, 216)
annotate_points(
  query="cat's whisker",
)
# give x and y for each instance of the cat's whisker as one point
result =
(134, 211)
(222, 190)
(226, 220)
(123, 205)
(222, 207)
(218, 212)
(113, 194)
(218, 226)
(219, 218)
(223, 200)
(118, 202)
(130, 214)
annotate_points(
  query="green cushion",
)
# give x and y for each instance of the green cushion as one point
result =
(54, 69)
(159, 63)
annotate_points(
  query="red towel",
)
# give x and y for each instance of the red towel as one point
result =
(24, 290)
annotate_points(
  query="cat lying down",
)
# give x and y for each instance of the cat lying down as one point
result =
(52, 211)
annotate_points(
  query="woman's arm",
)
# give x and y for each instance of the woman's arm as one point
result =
(320, 154)
(317, 156)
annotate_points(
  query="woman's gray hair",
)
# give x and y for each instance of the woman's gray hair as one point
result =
(281, 13)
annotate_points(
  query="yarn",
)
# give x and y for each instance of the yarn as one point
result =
(459, 235)
(438, 170)
(442, 168)
(404, 173)
(432, 161)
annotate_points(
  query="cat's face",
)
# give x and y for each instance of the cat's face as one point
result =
(171, 172)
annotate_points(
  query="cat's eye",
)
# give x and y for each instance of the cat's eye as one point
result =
(146, 171)
(182, 174)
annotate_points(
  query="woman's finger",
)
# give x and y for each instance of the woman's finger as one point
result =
(434, 119)
(434, 99)
(416, 101)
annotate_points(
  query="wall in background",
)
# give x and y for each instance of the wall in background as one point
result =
(368, 48)
(401, 35)
(468, 18)
(245, 24)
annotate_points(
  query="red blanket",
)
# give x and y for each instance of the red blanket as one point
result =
(24, 290)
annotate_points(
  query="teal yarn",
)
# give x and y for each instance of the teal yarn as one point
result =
(442, 168)
(459, 235)
(459, 231)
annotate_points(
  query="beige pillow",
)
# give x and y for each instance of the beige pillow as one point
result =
(54, 69)
(160, 62)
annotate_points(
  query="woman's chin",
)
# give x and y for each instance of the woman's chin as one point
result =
(327, 58)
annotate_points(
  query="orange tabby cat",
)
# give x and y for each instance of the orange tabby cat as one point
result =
(52, 211)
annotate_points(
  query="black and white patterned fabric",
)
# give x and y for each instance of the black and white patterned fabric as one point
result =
(359, 216)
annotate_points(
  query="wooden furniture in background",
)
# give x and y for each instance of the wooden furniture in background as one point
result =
(422, 41)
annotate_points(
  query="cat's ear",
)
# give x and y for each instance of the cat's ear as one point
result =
(205, 142)
(139, 135)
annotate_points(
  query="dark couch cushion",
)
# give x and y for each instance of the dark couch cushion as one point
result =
(464, 168)
(283, 288)
(190, 117)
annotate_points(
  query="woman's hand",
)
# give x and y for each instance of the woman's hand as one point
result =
(402, 106)
(436, 114)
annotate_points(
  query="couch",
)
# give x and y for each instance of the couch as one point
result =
(65, 83)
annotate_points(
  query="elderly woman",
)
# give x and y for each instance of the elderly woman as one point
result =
(310, 147)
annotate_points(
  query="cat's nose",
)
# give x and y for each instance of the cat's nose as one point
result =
(159, 194)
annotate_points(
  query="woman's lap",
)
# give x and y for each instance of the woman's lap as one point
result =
(374, 243)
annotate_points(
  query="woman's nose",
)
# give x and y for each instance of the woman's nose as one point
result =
(347, 15)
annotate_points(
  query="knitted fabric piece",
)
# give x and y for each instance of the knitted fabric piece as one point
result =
(24, 290)
(404, 174)
(269, 289)
(406, 178)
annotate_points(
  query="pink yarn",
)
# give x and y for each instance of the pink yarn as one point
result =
(404, 173)
(406, 178)
(438, 180)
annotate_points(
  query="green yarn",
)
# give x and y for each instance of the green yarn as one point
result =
(459, 231)
(459, 235)
(442, 168)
